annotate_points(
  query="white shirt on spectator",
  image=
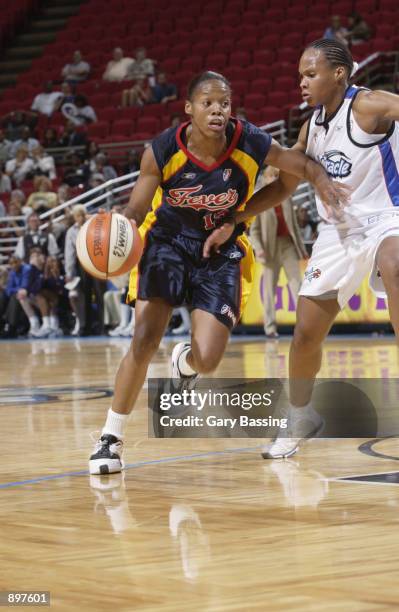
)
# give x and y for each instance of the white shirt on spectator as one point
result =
(117, 71)
(5, 184)
(19, 172)
(74, 72)
(44, 103)
(46, 165)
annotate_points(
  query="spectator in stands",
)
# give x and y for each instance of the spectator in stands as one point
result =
(5, 181)
(5, 147)
(68, 95)
(18, 278)
(26, 140)
(336, 30)
(16, 121)
(47, 102)
(103, 168)
(77, 173)
(77, 71)
(92, 149)
(80, 113)
(43, 198)
(175, 120)
(162, 91)
(44, 164)
(47, 295)
(19, 200)
(117, 69)
(138, 95)
(20, 167)
(50, 139)
(142, 67)
(72, 136)
(133, 162)
(18, 225)
(25, 295)
(34, 237)
(358, 29)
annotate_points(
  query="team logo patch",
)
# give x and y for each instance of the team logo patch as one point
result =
(189, 175)
(312, 273)
(226, 310)
(336, 163)
(226, 174)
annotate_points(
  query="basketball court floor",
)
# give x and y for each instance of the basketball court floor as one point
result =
(191, 525)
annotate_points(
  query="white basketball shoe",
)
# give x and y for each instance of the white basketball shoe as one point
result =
(302, 424)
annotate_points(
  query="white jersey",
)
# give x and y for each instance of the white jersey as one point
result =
(367, 163)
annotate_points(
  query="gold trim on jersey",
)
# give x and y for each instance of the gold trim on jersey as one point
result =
(176, 162)
(247, 271)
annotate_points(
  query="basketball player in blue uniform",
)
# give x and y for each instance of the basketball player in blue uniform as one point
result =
(195, 176)
(354, 133)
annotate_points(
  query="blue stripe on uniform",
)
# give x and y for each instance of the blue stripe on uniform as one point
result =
(350, 92)
(391, 174)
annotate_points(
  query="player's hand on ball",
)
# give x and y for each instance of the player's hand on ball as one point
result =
(218, 237)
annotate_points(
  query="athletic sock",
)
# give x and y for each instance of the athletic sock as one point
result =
(115, 424)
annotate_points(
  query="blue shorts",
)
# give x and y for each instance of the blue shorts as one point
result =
(172, 268)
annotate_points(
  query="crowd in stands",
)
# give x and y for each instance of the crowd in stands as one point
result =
(43, 289)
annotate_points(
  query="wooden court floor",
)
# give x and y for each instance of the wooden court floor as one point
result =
(191, 525)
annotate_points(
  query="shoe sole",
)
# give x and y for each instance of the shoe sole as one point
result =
(105, 466)
(311, 434)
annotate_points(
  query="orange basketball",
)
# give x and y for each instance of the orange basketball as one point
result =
(108, 244)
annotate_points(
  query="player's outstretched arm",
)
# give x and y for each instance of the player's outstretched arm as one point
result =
(143, 192)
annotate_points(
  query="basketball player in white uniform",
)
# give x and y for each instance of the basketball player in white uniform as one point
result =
(353, 133)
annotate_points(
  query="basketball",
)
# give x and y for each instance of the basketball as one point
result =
(108, 244)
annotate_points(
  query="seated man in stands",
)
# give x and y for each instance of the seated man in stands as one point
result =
(142, 67)
(77, 71)
(18, 278)
(162, 91)
(34, 237)
(117, 68)
(77, 173)
(80, 113)
(46, 103)
(72, 136)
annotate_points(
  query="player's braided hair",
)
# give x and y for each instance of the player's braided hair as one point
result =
(208, 75)
(335, 52)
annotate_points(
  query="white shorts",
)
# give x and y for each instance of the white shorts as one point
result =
(341, 258)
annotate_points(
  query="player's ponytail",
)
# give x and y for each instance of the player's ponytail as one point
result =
(335, 52)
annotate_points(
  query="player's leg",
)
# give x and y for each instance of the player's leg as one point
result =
(314, 320)
(152, 318)
(387, 261)
(208, 341)
(290, 263)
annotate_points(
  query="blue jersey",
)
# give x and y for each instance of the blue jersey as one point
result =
(193, 198)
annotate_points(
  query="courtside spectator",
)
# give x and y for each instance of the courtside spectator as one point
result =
(18, 278)
(46, 103)
(5, 147)
(43, 198)
(77, 71)
(43, 164)
(47, 296)
(34, 237)
(5, 181)
(25, 140)
(163, 91)
(142, 66)
(138, 95)
(20, 167)
(117, 68)
(358, 29)
(336, 30)
(73, 270)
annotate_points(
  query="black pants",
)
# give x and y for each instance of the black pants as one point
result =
(93, 291)
(14, 314)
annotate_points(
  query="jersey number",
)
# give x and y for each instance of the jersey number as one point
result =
(211, 219)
